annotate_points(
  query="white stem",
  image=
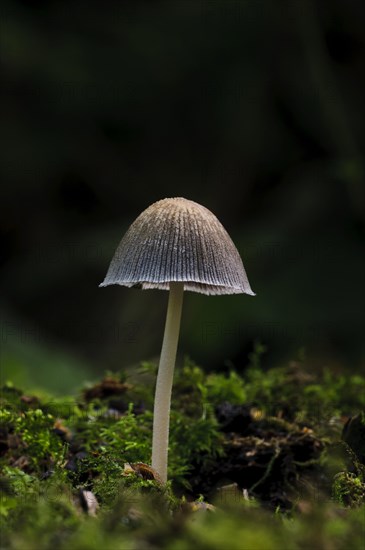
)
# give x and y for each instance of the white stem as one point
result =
(165, 375)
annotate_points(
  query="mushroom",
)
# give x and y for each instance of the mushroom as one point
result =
(176, 245)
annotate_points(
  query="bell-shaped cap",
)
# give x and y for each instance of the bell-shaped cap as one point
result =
(178, 240)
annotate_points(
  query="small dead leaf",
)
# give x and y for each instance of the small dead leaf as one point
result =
(142, 470)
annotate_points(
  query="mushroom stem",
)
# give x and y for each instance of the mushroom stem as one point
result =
(165, 375)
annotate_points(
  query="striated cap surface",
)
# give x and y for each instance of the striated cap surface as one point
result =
(178, 240)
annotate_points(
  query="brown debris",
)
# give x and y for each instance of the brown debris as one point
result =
(108, 387)
(30, 400)
(142, 470)
(22, 463)
(263, 455)
(62, 431)
(8, 441)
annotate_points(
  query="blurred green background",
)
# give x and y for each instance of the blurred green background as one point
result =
(252, 108)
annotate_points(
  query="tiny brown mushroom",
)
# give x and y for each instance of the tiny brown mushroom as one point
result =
(176, 245)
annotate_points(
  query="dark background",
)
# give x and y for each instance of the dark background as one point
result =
(252, 108)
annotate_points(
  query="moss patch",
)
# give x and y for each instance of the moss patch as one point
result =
(282, 448)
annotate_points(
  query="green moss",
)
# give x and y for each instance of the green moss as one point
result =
(349, 489)
(264, 446)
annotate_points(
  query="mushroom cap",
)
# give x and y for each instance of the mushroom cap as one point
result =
(178, 240)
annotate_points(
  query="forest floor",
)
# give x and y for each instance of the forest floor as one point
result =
(257, 460)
